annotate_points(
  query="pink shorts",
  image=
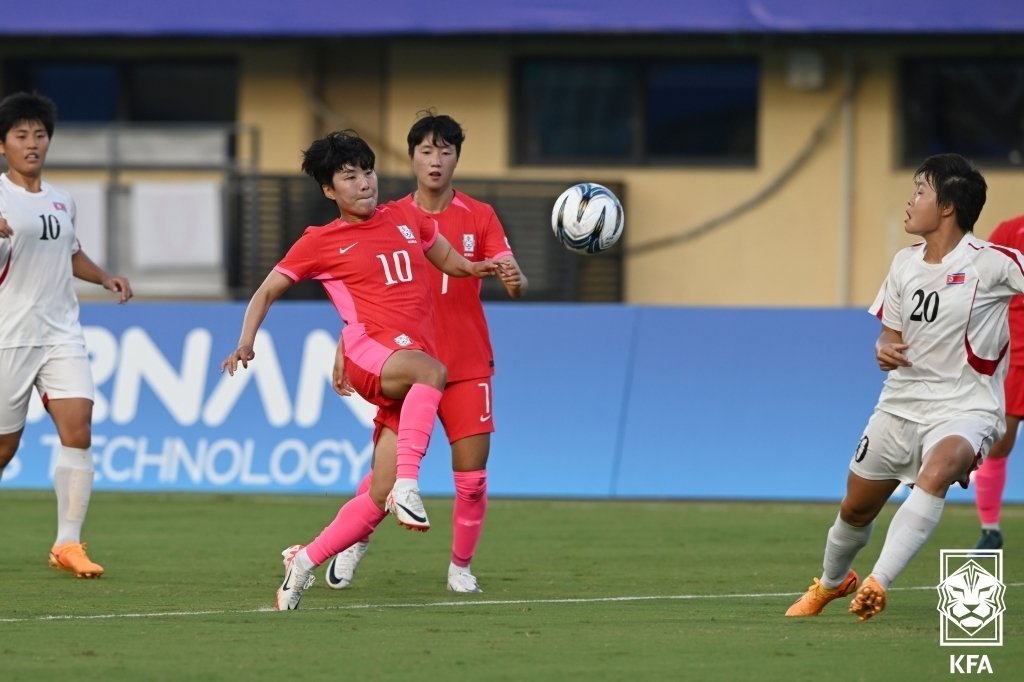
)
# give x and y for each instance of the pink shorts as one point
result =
(465, 410)
(1014, 389)
(365, 355)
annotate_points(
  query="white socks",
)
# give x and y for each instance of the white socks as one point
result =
(72, 481)
(303, 562)
(844, 541)
(910, 529)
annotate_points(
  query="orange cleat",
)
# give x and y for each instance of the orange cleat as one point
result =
(817, 596)
(869, 600)
(71, 557)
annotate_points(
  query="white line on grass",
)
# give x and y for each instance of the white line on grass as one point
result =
(438, 604)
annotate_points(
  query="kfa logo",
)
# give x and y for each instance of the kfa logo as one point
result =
(969, 663)
(971, 592)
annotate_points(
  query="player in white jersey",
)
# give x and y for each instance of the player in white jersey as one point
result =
(41, 340)
(944, 340)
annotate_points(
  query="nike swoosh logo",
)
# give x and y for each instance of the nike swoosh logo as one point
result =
(333, 577)
(347, 248)
(485, 418)
(285, 587)
(410, 512)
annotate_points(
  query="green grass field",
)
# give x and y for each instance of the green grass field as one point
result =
(574, 591)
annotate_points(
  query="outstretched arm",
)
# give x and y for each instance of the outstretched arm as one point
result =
(273, 286)
(451, 262)
(83, 268)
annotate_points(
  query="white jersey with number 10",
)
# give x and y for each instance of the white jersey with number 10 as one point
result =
(38, 305)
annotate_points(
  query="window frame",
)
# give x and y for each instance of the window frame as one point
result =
(641, 69)
(908, 68)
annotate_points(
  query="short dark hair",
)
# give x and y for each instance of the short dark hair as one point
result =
(27, 106)
(333, 152)
(440, 128)
(957, 183)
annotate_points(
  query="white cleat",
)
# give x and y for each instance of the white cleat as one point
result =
(461, 579)
(287, 555)
(405, 503)
(342, 566)
(296, 581)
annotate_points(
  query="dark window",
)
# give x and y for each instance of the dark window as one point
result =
(973, 107)
(167, 91)
(685, 111)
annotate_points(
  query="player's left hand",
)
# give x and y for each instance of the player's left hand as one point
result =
(119, 285)
(509, 274)
(342, 386)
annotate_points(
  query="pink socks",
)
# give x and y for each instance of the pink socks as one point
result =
(989, 482)
(355, 521)
(415, 424)
(468, 514)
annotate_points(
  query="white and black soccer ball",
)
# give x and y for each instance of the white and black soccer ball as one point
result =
(587, 218)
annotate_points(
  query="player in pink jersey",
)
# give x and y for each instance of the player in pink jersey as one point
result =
(944, 308)
(464, 345)
(373, 265)
(41, 339)
(990, 479)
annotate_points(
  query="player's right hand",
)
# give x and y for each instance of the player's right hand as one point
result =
(890, 356)
(6, 230)
(242, 354)
(483, 268)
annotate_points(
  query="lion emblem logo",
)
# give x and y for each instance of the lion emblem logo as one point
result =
(971, 597)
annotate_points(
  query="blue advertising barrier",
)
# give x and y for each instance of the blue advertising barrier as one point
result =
(591, 401)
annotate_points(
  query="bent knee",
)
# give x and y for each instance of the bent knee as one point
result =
(8, 447)
(857, 516)
(471, 485)
(436, 374)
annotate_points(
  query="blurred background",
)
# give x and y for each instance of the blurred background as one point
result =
(763, 150)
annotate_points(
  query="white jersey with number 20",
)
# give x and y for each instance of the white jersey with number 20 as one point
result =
(953, 318)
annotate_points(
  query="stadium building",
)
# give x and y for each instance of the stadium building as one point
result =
(763, 150)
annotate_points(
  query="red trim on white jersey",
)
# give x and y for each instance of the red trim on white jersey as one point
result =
(7, 266)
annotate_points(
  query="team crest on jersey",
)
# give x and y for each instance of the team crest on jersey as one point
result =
(58, 206)
(468, 243)
(403, 339)
(956, 278)
(407, 233)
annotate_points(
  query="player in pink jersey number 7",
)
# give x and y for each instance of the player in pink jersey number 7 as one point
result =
(373, 265)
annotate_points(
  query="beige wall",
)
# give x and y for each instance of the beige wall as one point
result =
(788, 250)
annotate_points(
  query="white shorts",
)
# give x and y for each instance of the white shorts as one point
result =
(55, 371)
(893, 448)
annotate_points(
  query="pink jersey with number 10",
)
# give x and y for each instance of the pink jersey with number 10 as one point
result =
(374, 272)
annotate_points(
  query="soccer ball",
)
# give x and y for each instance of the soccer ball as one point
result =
(587, 218)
